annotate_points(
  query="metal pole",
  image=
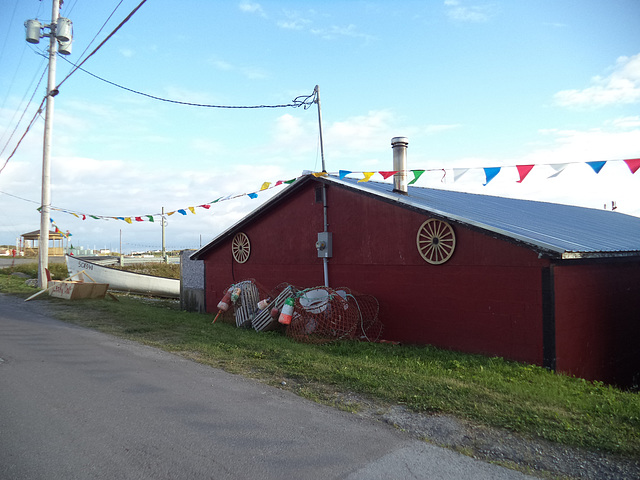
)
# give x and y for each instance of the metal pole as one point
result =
(325, 260)
(164, 250)
(43, 258)
(317, 90)
(121, 257)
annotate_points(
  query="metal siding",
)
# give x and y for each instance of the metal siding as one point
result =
(563, 228)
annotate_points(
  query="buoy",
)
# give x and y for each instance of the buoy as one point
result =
(262, 304)
(235, 295)
(287, 312)
(224, 303)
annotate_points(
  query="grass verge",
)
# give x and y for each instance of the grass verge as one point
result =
(492, 391)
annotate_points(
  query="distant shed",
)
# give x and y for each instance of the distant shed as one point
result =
(536, 282)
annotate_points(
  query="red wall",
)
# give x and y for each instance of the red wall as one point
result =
(486, 299)
(598, 321)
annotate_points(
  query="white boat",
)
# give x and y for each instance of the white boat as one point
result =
(122, 280)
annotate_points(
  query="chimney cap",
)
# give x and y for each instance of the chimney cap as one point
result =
(396, 140)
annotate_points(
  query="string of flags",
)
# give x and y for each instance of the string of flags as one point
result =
(66, 234)
(181, 211)
(490, 173)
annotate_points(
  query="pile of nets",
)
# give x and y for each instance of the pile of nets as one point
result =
(311, 315)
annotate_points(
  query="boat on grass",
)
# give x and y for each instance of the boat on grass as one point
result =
(121, 280)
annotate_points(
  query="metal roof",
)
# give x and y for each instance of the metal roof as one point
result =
(564, 229)
(559, 230)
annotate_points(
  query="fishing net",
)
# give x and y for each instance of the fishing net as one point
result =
(312, 315)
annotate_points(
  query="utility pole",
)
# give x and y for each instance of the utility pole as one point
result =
(164, 250)
(60, 31)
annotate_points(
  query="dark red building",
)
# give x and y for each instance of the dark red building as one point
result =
(542, 283)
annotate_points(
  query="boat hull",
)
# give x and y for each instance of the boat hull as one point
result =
(121, 280)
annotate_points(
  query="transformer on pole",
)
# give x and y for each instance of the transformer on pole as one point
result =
(61, 32)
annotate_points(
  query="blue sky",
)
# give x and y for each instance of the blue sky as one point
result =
(472, 84)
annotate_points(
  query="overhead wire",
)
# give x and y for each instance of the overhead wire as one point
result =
(23, 113)
(305, 102)
(68, 75)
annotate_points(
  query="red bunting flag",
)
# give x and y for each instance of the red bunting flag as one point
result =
(523, 170)
(139, 219)
(386, 175)
(633, 164)
(205, 206)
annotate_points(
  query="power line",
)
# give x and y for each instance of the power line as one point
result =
(24, 134)
(22, 116)
(303, 100)
(128, 17)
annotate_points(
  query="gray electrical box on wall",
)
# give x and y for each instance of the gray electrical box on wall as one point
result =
(324, 245)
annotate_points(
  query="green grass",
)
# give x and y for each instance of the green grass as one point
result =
(518, 397)
(491, 391)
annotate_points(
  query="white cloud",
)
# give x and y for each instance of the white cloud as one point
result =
(621, 86)
(293, 21)
(474, 13)
(254, 8)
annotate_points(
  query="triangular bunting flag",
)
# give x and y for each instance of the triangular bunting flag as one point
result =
(597, 166)
(150, 217)
(320, 174)
(523, 171)
(127, 219)
(416, 176)
(94, 217)
(181, 211)
(386, 175)
(458, 172)
(252, 195)
(265, 185)
(205, 206)
(289, 182)
(279, 182)
(192, 210)
(490, 173)
(139, 219)
(633, 164)
(558, 167)
(367, 176)
(170, 213)
(343, 173)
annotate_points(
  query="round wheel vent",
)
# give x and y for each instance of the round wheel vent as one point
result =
(241, 247)
(436, 241)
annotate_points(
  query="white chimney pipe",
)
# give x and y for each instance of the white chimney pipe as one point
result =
(399, 145)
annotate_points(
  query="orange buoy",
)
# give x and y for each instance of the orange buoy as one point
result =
(287, 312)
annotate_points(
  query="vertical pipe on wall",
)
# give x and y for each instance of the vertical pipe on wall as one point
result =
(548, 319)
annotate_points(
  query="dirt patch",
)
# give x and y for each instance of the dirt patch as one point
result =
(532, 456)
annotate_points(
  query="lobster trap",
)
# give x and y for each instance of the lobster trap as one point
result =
(312, 315)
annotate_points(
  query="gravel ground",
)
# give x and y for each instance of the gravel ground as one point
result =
(532, 456)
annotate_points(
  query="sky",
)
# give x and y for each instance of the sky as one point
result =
(471, 83)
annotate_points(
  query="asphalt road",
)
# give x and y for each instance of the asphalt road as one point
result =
(78, 404)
